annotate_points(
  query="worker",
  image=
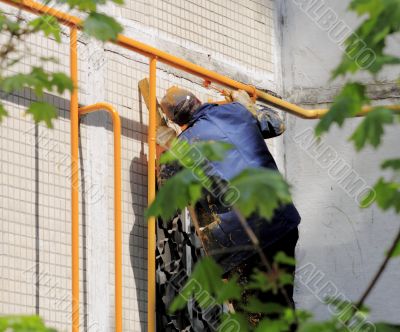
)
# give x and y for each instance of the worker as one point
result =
(244, 126)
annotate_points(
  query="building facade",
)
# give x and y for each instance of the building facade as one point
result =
(277, 46)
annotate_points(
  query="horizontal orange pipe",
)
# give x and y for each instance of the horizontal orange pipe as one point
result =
(117, 204)
(182, 64)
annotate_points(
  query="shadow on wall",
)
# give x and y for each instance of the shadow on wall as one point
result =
(26, 96)
(138, 233)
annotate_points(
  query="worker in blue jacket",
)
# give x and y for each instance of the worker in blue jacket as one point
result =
(245, 128)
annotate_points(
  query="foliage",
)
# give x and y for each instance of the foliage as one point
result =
(205, 285)
(48, 25)
(261, 191)
(381, 22)
(186, 190)
(347, 104)
(372, 128)
(16, 30)
(101, 26)
(252, 185)
(23, 324)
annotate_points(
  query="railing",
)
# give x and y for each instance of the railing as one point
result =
(154, 55)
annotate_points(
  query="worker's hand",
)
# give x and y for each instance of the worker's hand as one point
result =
(243, 98)
(165, 136)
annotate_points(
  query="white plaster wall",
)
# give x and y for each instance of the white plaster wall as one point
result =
(341, 245)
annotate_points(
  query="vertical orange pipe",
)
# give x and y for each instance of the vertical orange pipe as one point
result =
(151, 187)
(74, 119)
(117, 204)
(118, 222)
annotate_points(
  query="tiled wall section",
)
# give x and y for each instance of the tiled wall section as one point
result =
(35, 203)
(239, 30)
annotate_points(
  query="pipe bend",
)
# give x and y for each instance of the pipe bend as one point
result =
(101, 106)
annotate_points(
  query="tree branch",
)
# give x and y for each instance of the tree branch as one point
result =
(256, 243)
(379, 273)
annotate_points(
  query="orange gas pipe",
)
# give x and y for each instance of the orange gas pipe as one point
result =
(184, 65)
(151, 183)
(74, 116)
(117, 204)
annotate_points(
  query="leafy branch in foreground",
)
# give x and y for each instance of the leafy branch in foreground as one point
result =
(381, 20)
(23, 324)
(16, 30)
(252, 185)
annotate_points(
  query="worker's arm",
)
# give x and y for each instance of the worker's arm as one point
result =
(269, 121)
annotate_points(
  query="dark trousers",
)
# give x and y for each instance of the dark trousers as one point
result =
(286, 244)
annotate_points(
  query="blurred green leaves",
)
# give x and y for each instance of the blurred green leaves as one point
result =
(16, 29)
(42, 111)
(39, 81)
(252, 185)
(181, 190)
(101, 26)
(48, 25)
(260, 190)
(371, 128)
(23, 324)
(88, 5)
(396, 251)
(369, 39)
(347, 104)
(387, 195)
(189, 155)
(206, 286)
(3, 112)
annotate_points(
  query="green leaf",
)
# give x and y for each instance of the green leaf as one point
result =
(254, 305)
(259, 280)
(260, 190)
(366, 6)
(391, 163)
(371, 128)
(282, 258)
(181, 190)
(189, 155)
(42, 111)
(396, 251)
(38, 80)
(365, 47)
(23, 324)
(204, 283)
(49, 25)
(88, 5)
(62, 82)
(9, 25)
(102, 26)
(268, 325)
(3, 112)
(16, 82)
(230, 290)
(387, 195)
(234, 322)
(386, 327)
(347, 104)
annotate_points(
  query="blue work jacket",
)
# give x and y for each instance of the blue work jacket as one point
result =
(234, 124)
